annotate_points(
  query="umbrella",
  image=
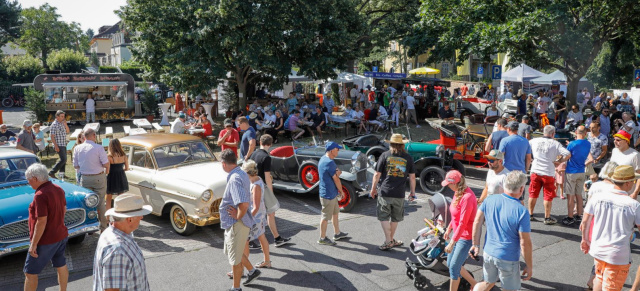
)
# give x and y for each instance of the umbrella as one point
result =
(424, 71)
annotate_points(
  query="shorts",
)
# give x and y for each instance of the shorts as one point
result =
(546, 183)
(330, 208)
(508, 272)
(458, 256)
(574, 184)
(611, 276)
(53, 253)
(235, 239)
(390, 208)
(297, 129)
(411, 113)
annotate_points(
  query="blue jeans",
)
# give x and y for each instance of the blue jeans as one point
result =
(508, 272)
(457, 257)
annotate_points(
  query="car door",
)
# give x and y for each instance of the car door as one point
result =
(141, 176)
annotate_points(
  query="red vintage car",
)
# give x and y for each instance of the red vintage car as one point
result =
(467, 141)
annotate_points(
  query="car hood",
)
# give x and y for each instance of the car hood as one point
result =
(15, 199)
(202, 174)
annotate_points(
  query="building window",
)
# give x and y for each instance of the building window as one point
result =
(445, 69)
(394, 46)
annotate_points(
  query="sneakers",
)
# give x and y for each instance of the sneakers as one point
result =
(326, 241)
(578, 218)
(341, 235)
(254, 245)
(417, 126)
(532, 218)
(550, 221)
(568, 221)
(252, 276)
(280, 241)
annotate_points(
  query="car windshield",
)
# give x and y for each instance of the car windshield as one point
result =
(404, 130)
(12, 169)
(182, 153)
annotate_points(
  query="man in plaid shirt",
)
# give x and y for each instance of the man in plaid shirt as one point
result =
(58, 132)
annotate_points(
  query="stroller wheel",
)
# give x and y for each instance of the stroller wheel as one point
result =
(410, 273)
(420, 282)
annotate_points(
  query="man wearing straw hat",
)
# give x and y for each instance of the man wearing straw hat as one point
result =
(392, 169)
(118, 263)
(622, 154)
(609, 242)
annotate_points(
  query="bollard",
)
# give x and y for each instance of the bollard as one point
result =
(1, 121)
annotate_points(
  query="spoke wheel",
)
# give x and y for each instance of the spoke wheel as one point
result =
(309, 175)
(179, 222)
(7, 102)
(431, 179)
(348, 200)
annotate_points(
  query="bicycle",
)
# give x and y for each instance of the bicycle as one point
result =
(11, 100)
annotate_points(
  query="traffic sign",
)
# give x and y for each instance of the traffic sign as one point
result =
(496, 72)
(480, 70)
(375, 69)
(636, 75)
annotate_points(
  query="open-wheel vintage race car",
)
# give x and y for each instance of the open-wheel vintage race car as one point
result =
(467, 141)
(296, 170)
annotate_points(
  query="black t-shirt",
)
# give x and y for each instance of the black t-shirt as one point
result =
(279, 121)
(263, 160)
(444, 113)
(7, 134)
(373, 114)
(395, 170)
(317, 119)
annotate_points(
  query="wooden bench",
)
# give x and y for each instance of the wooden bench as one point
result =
(75, 134)
(108, 132)
(127, 129)
(70, 145)
(335, 127)
(105, 142)
(157, 127)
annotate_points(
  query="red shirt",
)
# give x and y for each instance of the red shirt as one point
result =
(464, 90)
(49, 201)
(233, 137)
(462, 215)
(372, 96)
(207, 129)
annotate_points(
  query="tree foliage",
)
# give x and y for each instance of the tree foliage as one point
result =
(615, 65)
(203, 41)
(34, 103)
(67, 61)
(9, 21)
(22, 69)
(565, 35)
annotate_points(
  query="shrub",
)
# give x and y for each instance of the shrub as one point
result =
(67, 61)
(107, 69)
(22, 69)
(149, 101)
(35, 103)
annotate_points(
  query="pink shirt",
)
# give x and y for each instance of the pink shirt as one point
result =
(462, 215)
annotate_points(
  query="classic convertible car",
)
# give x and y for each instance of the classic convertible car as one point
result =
(177, 175)
(296, 170)
(16, 194)
(431, 160)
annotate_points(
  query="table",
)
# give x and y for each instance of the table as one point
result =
(193, 131)
(137, 131)
(143, 123)
(207, 109)
(94, 126)
(44, 128)
(165, 113)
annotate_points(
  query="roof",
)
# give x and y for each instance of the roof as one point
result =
(152, 140)
(555, 77)
(106, 34)
(521, 73)
(7, 152)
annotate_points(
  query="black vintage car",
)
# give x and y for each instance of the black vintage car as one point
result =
(296, 170)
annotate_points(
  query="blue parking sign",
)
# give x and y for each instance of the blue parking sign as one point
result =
(480, 70)
(375, 69)
(496, 72)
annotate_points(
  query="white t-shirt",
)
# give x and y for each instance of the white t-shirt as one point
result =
(495, 182)
(382, 111)
(576, 116)
(631, 124)
(90, 106)
(271, 118)
(353, 93)
(177, 126)
(358, 115)
(492, 112)
(411, 102)
(599, 187)
(630, 157)
(545, 151)
(543, 104)
(614, 215)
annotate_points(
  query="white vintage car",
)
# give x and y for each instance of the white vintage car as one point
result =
(177, 175)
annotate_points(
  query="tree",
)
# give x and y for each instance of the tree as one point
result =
(9, 21)
(565, 35)
(615, 65)
(67, 61)
(90, 33)
(203, 41)
(93, 61)
(43, 32)
(22, 69)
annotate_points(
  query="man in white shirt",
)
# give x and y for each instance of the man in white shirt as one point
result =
(509, 95)
(623, 155)
(411, 109)
(90, 108)
(542, 106)
(545, 159)
(608, 243)
(178, 125)
(358, 115)
(492, 111)
(354, 94)
(575, 114)
(495, 176)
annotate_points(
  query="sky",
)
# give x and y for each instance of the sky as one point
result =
(89, 13)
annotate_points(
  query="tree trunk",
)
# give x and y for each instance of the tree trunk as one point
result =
(573, 81)
(350, 65)
(45, 54)
(242, 90)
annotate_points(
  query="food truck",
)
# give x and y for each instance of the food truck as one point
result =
(113, 93)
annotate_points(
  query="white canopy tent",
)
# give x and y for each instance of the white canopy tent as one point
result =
(521, 74)
(359, 80)
(555, 77)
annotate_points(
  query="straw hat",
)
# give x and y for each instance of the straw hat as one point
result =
(397, 139)
(128, 205)
(624, 174)
(253, 115)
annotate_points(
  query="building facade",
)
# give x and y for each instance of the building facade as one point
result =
(111, 45)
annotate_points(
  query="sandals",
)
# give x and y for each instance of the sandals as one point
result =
(397, 243)
(263, 264)
(386, 246)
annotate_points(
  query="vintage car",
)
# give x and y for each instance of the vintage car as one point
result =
(16, 194)
(177, 175)
(432, 161)
(296, 170)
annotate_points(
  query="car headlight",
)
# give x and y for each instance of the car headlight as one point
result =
(206, 195)
(439, 150)
(91, 200)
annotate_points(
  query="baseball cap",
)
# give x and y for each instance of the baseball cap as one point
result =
(494, 155)
(182, 115)
(453, 176)
(228, 122)
(332, 145)
(513, 125)
(27, 123)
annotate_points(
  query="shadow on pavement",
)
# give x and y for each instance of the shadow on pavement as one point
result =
(332, 279)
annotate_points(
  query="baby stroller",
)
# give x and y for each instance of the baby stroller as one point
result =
(429, 246)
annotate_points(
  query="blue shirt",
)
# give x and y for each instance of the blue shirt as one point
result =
(291, 103)
(497, 137)
(247, 136)
(515, 149)
(522, 106)
(505, 217)
(579, 150)
(327, 168)
(605, 125)
(238, 191)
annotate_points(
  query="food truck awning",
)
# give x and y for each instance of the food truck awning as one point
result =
(83, 84)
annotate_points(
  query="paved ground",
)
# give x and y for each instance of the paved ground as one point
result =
(197, 262)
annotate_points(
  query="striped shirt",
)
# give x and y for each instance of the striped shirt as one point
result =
(118, 263)
(238, 191)
(60, 132)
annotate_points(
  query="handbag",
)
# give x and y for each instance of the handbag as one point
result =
(270, 201)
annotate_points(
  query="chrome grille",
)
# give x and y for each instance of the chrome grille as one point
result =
(19, 230)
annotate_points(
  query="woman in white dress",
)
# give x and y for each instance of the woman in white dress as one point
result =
(259, 213)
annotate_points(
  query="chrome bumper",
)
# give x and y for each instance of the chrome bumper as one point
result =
(20, 246)
(203, 221)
